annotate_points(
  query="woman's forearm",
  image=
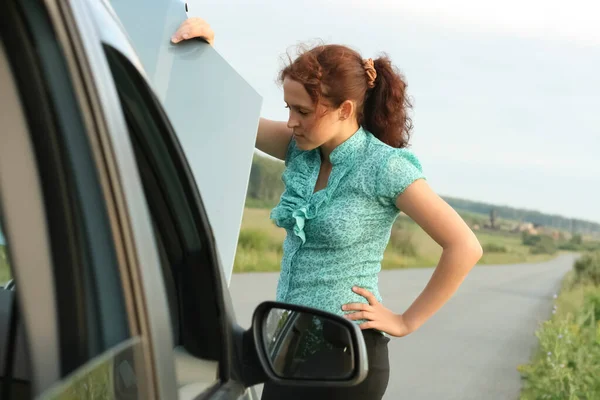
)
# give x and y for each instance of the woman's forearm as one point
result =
(454, 265)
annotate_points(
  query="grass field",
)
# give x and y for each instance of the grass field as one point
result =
(4, 268)
(259, 248)
(565, 364)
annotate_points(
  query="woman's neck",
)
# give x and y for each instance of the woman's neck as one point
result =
(345, 133)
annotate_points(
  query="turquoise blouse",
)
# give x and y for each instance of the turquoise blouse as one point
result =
(336, 237)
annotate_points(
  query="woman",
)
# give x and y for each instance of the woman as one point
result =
(348, 174)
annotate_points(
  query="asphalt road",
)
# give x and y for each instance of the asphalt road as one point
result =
(471, 348)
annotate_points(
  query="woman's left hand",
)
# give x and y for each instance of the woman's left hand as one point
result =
(377, 316)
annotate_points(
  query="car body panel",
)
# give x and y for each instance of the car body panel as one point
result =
(217, 132)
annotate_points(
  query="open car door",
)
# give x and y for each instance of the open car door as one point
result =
(216, 129)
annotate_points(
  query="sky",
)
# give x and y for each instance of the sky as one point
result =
(506, 95)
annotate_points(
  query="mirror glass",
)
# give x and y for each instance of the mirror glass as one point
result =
(302, 345)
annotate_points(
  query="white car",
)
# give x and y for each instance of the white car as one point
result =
(114, 250)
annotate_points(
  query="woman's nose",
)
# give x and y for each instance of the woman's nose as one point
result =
(292, 123)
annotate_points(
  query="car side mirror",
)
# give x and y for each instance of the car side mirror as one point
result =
(299, 345)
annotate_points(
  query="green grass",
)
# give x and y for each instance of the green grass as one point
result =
(260, 243)
(565, 364)
(572, 297)
(410, 246)
(256, 203)
(515, 252)
(5, 273)
(93, 381)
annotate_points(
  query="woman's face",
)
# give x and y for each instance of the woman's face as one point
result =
(312, 125)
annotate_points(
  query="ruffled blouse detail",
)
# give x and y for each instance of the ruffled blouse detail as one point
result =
(298, 202)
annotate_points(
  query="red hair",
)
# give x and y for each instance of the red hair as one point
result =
(336, 73)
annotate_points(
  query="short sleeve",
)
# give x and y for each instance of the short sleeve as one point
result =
(397, 172)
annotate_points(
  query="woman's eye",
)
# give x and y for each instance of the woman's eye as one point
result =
(301, 112)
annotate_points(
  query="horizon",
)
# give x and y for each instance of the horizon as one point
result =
(505, 96)
(261, 154)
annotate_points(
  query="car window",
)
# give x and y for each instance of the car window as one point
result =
(115, 374)
(181, 239)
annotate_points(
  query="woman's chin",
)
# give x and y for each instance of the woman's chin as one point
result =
(304, 145)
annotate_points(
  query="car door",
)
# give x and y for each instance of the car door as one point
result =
(214, 111)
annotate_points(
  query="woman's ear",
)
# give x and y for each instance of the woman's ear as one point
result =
(346, 110)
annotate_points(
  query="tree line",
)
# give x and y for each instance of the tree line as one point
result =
(265, 188)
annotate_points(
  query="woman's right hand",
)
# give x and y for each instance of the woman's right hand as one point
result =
(273, 137)
(194, 28)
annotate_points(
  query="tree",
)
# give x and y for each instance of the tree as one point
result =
(577, 239)
(493, 218)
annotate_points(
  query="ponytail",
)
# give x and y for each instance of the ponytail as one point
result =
(386, 106)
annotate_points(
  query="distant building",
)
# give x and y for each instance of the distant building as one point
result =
(526, 227)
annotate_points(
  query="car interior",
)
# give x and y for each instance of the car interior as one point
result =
(14, 362)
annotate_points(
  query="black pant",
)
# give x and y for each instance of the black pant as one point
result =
(372, 388)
